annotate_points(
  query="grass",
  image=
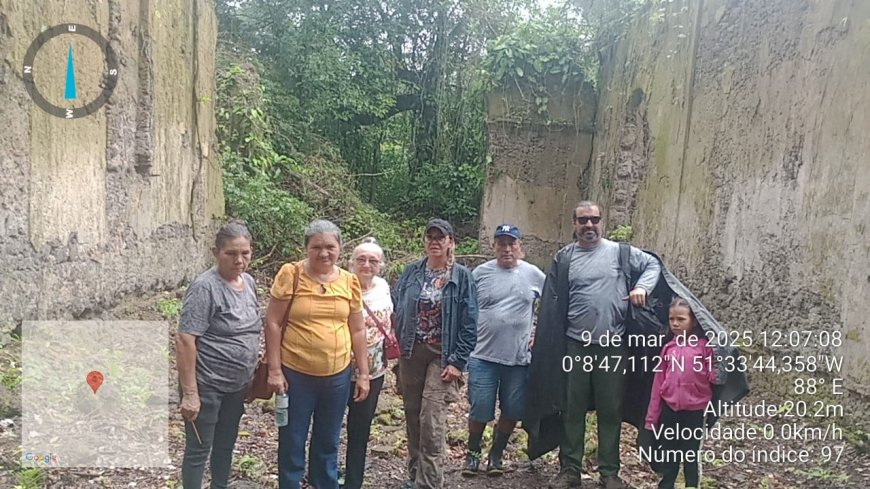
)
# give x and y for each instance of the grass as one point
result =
(250, 466)
(823, 474)
(10, 368)
(10, 376)
(169, 307)
(30, 478)
(708, 483)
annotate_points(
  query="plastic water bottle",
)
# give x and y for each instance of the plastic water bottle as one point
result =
(282, 416)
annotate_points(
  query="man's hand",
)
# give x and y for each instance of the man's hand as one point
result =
(450, 374)
(190, 405)
(638, 297)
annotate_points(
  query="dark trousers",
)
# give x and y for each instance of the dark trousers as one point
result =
(606, 386)
(359, 428)
(218, 427)
(324, 399)
(671, 468)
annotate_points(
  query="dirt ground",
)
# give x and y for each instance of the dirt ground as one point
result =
(256, 451)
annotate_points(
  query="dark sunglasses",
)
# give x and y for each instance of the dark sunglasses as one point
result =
(585, 219)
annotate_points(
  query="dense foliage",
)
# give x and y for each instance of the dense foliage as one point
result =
(371, 113)
(549, 53)
(278, 194)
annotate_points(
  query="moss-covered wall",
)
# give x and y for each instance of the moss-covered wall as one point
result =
(121, 200)
(538, 155)
(733, 137)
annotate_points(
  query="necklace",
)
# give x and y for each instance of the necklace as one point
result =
(320, 277)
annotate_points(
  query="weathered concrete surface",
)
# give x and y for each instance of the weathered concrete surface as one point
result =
(119, 201)
(533, 179)
(733, 137)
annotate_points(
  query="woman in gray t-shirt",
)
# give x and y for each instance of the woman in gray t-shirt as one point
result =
(216, 345)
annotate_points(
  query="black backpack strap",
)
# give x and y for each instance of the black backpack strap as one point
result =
(625, 263)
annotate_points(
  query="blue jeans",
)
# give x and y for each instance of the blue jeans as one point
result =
(325, 399)
(486, 380)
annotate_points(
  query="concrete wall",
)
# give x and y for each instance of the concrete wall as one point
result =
(533, 179)
(733, 137)
(122, 200)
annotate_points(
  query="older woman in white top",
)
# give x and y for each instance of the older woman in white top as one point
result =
(366, 262)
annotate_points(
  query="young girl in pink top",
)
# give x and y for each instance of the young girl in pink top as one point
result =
(680, 393)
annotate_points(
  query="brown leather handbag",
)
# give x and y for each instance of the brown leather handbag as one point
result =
(259, 388)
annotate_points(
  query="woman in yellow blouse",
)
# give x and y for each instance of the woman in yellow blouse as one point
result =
(312, 361)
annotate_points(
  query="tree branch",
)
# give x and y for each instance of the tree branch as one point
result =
(404, 103)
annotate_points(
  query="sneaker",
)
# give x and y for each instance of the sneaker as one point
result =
(613, 482)
(494, 465)
(565, 480)
(472, 464)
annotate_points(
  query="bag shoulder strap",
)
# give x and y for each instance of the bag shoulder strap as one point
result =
(375, 319)
(625, 262)
(296, 273)
(625, 265)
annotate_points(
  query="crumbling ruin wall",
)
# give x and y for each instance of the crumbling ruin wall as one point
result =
(119, 201)
(537, 157)
(732, 136)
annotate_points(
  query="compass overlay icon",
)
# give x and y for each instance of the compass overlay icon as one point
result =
(107, 84)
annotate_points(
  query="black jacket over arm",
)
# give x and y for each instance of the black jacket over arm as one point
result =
(546, 384)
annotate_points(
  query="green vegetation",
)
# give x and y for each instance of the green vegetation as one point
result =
(10, 376)
(823, 474)
(169, 307)
(548, 55)
(250, 466)
(621, 233)
(372, 114)
(707, 483)
(30, 478)
(278, 194)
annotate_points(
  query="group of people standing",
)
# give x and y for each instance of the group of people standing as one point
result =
(330, 334)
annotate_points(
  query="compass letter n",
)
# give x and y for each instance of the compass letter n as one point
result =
(28, 69)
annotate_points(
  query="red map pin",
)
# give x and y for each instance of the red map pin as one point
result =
(95, 379)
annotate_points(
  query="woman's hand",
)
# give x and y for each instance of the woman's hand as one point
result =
(277, 382)
(361, 391)
(450, 374)
(190, 405)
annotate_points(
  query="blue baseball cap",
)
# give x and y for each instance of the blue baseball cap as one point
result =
(508, 230)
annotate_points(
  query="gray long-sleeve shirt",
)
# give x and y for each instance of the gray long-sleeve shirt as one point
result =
(597, 289)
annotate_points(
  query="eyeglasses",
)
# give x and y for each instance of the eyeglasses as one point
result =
(440, 239)
(362, 261)
(585, 219)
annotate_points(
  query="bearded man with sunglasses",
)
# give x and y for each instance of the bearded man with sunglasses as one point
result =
(584, 304)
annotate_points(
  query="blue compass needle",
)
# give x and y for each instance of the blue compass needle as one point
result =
(70, 92)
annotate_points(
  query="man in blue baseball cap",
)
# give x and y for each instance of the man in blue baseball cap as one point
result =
(507, 289)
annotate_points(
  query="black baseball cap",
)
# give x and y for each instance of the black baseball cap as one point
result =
(508, 230)
(441, 225)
